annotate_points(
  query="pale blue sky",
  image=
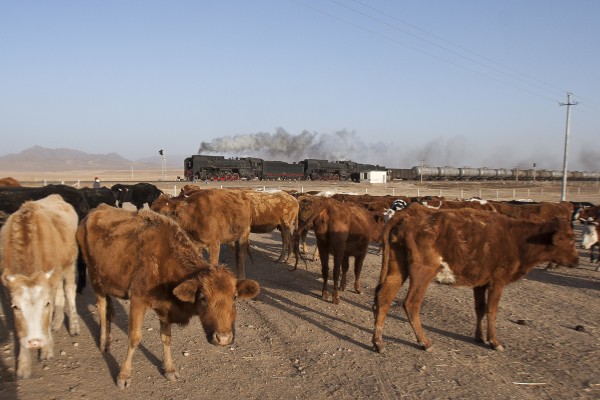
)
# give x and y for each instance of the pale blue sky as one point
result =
(458, 83)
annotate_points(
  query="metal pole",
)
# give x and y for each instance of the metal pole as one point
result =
(563, 196)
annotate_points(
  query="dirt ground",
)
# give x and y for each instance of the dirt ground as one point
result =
(291, 344)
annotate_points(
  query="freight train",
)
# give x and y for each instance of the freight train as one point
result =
(451, 173)
(219, 168)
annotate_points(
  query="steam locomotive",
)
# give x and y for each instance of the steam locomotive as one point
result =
(219, 168)
(451, 173)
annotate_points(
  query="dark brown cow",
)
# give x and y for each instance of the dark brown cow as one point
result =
(542, 211)
(212, 217)
(463, 247)
(147, 258)
(343, 230)
(9, 182)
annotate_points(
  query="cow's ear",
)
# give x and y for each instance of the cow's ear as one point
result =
(7, 279)
(247, 289)
(186, 291)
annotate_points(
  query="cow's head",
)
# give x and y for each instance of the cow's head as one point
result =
(31, 299)
(166, 204)
(590, 233)
(563, 242)
(213, 292)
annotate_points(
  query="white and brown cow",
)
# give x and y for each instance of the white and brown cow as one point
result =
(38, 253)
(589, 238)
(149, 259)
(463, 247)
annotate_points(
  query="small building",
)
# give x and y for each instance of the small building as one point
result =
(373, 176)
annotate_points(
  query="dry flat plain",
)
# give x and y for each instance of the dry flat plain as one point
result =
(291, 344)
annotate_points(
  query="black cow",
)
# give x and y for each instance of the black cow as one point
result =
(11, 198)
(98, 196)
(137, 194)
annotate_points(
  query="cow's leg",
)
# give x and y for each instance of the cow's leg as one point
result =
(47, 352)
(323, 252)
(385, 293)
(103, 314)
(137, 310)
(23, 363)
(214, 250)
(285, 239)
(242, 248)
(412, 305)
(345, 268)
(358, 264)
(70, 293)
(59, 306)
(494, 293)
(165, 336)
(480, 307)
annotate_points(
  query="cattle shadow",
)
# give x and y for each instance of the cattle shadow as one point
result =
(561, 279)
(86, 302)
(8, 382)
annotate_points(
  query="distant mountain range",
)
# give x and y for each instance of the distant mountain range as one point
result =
(37, 157)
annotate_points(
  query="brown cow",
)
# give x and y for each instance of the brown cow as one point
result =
(270, 210)
(147, 258)
(9, 182)
(343, 230)
(274, 210)
(463, 247)
(38, 256)
(212, 217)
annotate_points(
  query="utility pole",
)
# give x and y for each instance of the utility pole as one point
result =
(163, 169)
(569, 103)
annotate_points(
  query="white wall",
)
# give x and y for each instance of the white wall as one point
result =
(374, 176)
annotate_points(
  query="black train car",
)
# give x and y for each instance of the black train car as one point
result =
(219, 168)
(280, 170)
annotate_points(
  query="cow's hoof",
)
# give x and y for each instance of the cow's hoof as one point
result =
(378, 346)
(172, 376)
(358, 291)
(23, 373)
(426, 347)
(123, 382)
(498, 348)
(46, 354)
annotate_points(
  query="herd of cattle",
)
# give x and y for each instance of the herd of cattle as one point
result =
(52, 235)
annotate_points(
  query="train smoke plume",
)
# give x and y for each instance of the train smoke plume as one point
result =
(403, 152)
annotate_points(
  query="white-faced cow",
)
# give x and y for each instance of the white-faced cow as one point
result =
(463, 247)
(147, 258)
(37, 261)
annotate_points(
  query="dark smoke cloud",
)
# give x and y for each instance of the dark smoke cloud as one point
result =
(404, 152)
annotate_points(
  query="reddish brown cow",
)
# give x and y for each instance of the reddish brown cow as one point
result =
(343, 230)
(147, 258)
(212, 217)
(9, 182)
(463, 247)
